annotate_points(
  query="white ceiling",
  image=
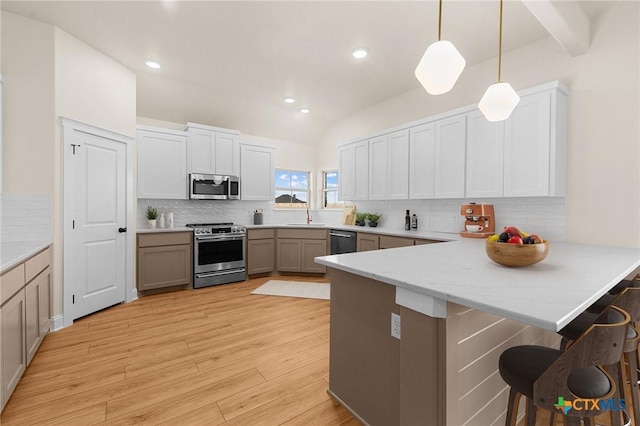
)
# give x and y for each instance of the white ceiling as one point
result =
(230, 64)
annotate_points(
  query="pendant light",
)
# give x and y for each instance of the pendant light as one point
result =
(499, 101)
(441, 64)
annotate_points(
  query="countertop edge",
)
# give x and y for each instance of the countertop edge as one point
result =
(163, 230)
(30, 248)
(421, 235)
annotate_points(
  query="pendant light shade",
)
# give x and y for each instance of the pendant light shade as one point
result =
(499, 101)
(440, 67)
(441, 64)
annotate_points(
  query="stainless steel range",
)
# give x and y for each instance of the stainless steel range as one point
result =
(218, 253)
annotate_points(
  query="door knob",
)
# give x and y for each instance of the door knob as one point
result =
(122, 230)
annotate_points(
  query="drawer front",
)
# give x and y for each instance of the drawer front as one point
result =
(11, 282)
(164, 239)
(387, 241)
(421, 242)
(260, 234)
(37, 264)
(303, 234)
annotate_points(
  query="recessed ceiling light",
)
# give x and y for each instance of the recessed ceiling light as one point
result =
(152, 64)
(360, 53)
(289, 100)
(305, 110)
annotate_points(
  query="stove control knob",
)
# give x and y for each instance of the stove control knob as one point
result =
(197, 231)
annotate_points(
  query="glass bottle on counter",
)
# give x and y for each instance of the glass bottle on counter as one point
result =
(407, 221)
(414, 222)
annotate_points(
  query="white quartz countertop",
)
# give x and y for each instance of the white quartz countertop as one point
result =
(548, 294)
(427, 235)
(149, 230)
(12, 254)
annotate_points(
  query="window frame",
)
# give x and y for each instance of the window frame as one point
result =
(292, 206)
(324, 190)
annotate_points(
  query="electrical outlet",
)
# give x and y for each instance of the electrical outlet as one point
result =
(395, 325)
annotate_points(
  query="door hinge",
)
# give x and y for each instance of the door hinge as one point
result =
(73, 299)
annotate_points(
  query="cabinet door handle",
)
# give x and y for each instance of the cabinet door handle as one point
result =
(121, 230)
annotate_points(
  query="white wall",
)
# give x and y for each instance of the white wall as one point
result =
(47, 74)
(28, 98)
(91, 88)
(603, 194)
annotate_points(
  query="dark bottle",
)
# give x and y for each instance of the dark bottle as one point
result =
(414, 221)
(407, 221)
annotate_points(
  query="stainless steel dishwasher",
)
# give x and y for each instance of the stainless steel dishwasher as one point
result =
(342, 241)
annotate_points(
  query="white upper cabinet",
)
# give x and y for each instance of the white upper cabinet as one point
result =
(450, 157)
(422, 152)
(378, 176)
(397, 161)
(388, 171)
(535, 146)
(213, 150)
(162, 163)
(485, 156)
(460, 154)
(354, 171)
(257, 172)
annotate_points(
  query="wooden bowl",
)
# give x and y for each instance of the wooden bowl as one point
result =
(516, 254)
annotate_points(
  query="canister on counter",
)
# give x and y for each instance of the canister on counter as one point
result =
(257, 218)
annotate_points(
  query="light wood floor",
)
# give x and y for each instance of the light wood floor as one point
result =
(210, 356)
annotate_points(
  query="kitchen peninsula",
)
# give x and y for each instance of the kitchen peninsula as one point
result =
(458, 311)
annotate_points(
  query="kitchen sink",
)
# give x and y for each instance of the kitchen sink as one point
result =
(304, 224)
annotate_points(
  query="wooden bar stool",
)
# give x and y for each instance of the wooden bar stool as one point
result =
(544, 375)
(626, 297)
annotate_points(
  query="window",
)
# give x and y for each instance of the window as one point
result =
(330, 190)
(292, 189)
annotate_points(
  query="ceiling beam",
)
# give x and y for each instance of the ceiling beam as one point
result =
(565, 21)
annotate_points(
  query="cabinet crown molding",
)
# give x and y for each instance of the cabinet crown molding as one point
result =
(197, 126)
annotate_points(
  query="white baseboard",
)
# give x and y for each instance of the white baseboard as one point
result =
(133, 295)
(57, 323)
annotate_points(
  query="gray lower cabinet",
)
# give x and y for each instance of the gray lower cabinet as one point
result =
(367, 242)
(297, 248)
(25, 317)
(387, 241)
(261, 249)
(14, 359)
(310, 250)
(37, 302)
(164, 260)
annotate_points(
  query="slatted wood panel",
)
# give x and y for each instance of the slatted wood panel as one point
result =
(217, 355)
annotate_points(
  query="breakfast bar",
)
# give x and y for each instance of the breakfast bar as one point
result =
(459, 311)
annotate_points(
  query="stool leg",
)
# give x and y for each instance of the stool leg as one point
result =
(531, 413)
(572, 421)
(632, 373)
(512, 407)
(616, 372)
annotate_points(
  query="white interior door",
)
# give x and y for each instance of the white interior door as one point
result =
(95, 194)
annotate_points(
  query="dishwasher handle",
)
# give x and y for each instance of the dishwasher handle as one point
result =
(333, 234)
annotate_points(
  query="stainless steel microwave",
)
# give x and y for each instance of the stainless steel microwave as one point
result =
(213, 187)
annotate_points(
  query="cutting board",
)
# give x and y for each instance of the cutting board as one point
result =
(349, 215)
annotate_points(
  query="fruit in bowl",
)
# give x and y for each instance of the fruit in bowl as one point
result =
(515, 248)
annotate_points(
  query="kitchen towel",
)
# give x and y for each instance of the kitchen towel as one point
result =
(301, 289)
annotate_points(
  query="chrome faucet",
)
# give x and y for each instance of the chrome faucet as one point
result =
(308, 215)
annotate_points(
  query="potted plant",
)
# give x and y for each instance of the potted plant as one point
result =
(373, 219)
(152, 215)
(361, 218)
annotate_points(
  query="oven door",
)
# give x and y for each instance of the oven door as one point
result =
(218, 253)
(208, 187)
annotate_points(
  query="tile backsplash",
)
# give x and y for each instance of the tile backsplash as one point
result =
(542, 215)
(211, 211)
(25, 217)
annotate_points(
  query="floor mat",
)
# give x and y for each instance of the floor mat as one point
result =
(294, 289)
